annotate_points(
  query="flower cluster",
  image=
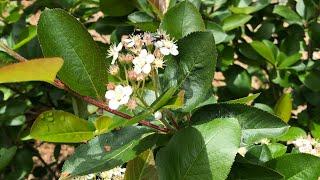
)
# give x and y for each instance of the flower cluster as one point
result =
(137, 59)
(307, 145)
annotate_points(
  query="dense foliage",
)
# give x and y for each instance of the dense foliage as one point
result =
(167, 89)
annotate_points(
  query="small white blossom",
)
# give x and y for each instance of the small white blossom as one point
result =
(158, 63)
(157, 115)
(167, 47)
(142, 63)
(119, 96)
(130, 42)
(114, 52)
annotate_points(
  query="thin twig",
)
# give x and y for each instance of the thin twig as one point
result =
(59, 84)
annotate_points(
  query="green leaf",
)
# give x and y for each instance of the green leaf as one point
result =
(60, 126)
(142, 167)
(30, 33)
(258, 154)
(252, 171)
(34, 70)
(217, 31)
(283, 107)
(105, 124)
(84, 69)
(297, 166)
(181, 20)
(264, 50)
(287, 13)
(277, 149)
(238, 81)
(292, 134)
(315, 129)
(235, 21)
(143, 21)
(176, 102)
(244, 100)
(250, 9)
(208, 153)
(193, 69)
(109, 150)
(6, 155)
(311, 80)
(289, 61)
(256, 124)
(116, 8)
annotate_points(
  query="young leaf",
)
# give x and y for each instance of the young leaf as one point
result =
(142, 167)
(84, 69)
(264, 50)
(244, 100)
(181, 20)
(277, 149)
(193, 69)
(292, 134)
(283, 107)
(60, 126)
(208, 153)
(34, 70)
(235, 21)
(105, 124)
(6, 155)
(254, 127)
(109, 150)
(288, 14)
(296, 166)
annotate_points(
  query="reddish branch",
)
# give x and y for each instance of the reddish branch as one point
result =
(59, 84)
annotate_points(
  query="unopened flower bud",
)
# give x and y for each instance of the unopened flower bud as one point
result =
(126, 58)
(111, 86)
(132, 104)
(157, 53)
(132, 75)
(157, 115)
(147, 39)
(114, 70)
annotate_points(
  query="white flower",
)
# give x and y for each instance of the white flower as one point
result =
(130, 42)
(114, 52)
(142, 63)
(167, 47)
(119, 96)
(157, 115)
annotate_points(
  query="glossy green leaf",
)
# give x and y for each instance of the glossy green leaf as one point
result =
(250, 9)
(31, 32)
(292, 134)
(33, 70)
(289, 61)
(105, 124)
(315, 129)
(253, 171)
(142, 167)
(296, 166)
(264, 50)
(117, 8)
(277, 149)
(181, 20)
(208, 153)
(235, 21)
(176, 102)
(60, 126)
(311, 80)
(6, 155)
(109, 150)
(258, 154)
(193, 69)
(143, 21)
(244, 100)
(287, 13)
(217, 31)
(84, 69)
(283, 107)
(254, 127)
(238, 81)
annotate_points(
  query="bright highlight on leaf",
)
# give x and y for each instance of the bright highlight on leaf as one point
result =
(34, 70)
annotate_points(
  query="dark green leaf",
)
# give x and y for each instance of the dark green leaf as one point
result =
(182, 20)
(116, 8)
(208, 153)
(258, 154)
(6, 155)
(254, 127)
(109, 150)
(84, 69)
(238, 81)
(235, 21)
(290, 15)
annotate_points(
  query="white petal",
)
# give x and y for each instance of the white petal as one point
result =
(110, 94)
(165, 51)
(158, 44)
(146, 68)
(150, 58)
(174, 51)
(118, 88)
(119, 47)
(114, 104)
(157, 115)
(143, 53)
(124, 100)
(137, 69)
(131, 44)
(114, 58)
(127, 90)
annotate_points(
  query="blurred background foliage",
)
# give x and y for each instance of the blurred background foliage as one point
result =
(266, 46)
